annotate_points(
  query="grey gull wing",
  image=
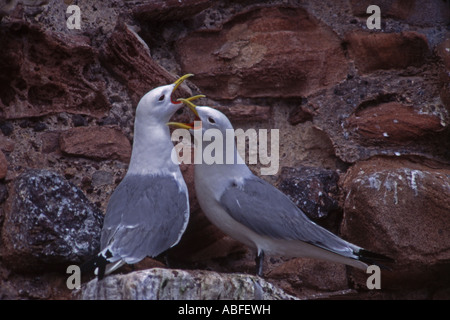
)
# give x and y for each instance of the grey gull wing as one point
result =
(146, 215)
(264, 209)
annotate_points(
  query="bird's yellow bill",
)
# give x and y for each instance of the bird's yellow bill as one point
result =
(199, 96)
(197, 124)
(192, 107)
(180, 80)
(188, 126)
(189, 103)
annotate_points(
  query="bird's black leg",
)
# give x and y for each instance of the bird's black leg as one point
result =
(259, 262)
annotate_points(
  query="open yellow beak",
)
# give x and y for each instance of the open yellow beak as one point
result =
(180, 81)
(177, 83)
(189, 103)
(191, 106)
(199, 96)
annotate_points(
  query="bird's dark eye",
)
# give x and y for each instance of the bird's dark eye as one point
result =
(161, 98)
(211, 120)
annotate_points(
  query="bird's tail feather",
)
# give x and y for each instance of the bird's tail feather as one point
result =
(97, 264)
(373, 258)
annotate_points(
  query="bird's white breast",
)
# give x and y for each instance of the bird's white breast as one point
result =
(209, 187)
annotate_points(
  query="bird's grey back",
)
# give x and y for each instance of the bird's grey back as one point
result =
(146, 215)
(264, 209)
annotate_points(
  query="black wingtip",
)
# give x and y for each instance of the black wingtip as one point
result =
(373, 258)
(101, 271)
(98, 262)
(88, 266)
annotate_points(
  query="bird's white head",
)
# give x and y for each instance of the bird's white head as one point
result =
(213, 119)
(211, 125)
(158, 105)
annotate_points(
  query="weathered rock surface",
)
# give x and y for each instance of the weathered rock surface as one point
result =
(308, 273)
(314, 190)
(6, 144)
(413, 98)
(161, 10)
(6, 7)
(393, 122)
(45, 72)
(3, 193)
(443, 51)
(375, 51)
(400, 208)
(128, 58)
(301, 114)
(3, 165)
(172, 284)
(96, 142)
(246, 112)
(49, 223)
(264, 52)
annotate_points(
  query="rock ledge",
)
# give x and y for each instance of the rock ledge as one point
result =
(175, 284)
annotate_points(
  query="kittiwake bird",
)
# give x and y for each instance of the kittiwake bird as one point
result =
(149, 210)
(256, 213)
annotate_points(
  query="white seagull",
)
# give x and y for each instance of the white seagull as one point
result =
(149, 210)
(256, 213)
